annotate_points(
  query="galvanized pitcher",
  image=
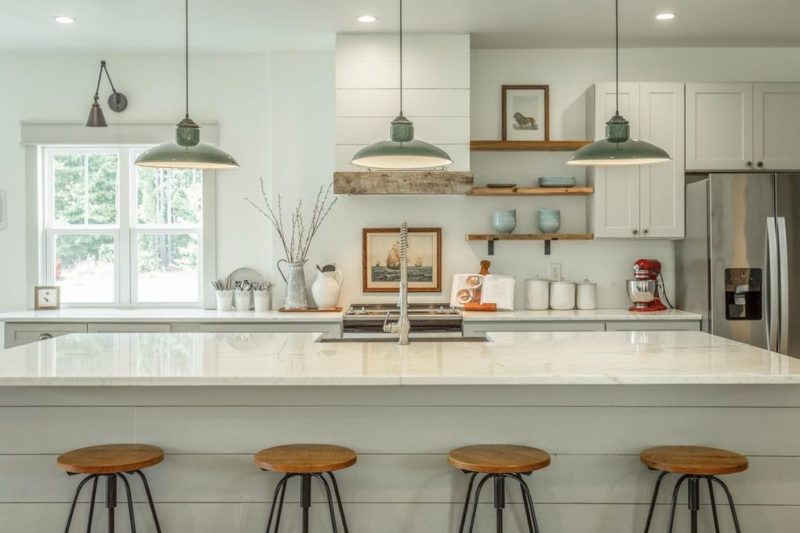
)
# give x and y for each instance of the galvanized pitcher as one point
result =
(295, 280)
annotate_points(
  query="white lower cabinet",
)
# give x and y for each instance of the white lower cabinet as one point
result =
(479, 328)
(644, 201)
(17, 334)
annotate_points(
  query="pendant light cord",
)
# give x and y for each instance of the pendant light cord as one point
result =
(616, 47)
(186, 54)
(401, 57)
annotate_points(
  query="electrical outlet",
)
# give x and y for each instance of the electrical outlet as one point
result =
(555, 270)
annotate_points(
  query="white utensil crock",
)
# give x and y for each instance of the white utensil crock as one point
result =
(262, 300)
(243, 299)
(224, 300)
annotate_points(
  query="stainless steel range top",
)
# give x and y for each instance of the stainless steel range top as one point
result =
(369, 318)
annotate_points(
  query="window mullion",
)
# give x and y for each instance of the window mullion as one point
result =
(124, 218)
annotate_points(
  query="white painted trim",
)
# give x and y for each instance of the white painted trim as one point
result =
(208, 250)
(70, 133)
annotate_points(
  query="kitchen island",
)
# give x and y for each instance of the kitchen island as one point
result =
(593, 400)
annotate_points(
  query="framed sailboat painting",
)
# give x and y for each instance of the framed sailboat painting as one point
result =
(381, 259)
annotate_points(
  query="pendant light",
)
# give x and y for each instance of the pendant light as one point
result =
(187, 151)
(116, 101)
(402, 151)
(618, 148)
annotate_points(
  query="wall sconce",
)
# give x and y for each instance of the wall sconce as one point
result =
(116, 101)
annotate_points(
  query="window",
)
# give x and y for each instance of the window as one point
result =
(115, 233)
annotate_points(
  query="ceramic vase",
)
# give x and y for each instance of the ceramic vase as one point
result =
(326, 289)
(505, 220)
(295, 278)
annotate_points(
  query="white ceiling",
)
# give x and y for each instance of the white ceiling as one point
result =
(260, 25)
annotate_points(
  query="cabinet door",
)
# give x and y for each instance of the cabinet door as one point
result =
(615, 212)
(777, 126)
(661, 194)
(18, 334)
(719, 126)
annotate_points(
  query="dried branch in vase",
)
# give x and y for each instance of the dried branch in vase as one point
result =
(297, 243)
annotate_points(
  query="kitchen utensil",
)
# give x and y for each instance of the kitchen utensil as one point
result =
(505, 220)
(326, 288)
(549, 220)
(562, 295)
(224, 300)
(538, 293)
(557, 181)
(645, 296)
(295, 279)
(586, 298)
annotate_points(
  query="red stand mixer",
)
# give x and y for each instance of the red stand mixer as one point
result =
(647, 287)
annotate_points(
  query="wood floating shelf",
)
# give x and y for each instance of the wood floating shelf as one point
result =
(491, 238)
(532, 191)
(529, 146)
(402, 182)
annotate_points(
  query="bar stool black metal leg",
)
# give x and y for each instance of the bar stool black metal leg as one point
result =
(730, 502)
(130, 502)
(675, 501)
(281, 484)
(149, 498)
(91, 505)
(111, 499)
(280, 503)
(305, 498)
(653, 502)
(499, 500)
(339, 501)
(83, 482)
(330, 501)
(477, 499)
(694, 501)
(527, 499)
(466, 502)
(713, 504)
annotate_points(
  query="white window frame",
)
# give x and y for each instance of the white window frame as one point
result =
(125, 232)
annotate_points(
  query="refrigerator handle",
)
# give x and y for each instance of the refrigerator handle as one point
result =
(772, 280)
(783, 257)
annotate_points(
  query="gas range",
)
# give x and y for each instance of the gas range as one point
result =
(427, 318)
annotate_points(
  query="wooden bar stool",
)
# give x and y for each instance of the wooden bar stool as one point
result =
(498, 462)
(306, 461)
(695, 464)
(111, 461)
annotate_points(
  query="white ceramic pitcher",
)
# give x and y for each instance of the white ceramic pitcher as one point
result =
(326, 289)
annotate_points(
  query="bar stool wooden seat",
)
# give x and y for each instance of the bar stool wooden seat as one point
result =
(498, 462)
(113, 462)
(694, 464)
(306, 461)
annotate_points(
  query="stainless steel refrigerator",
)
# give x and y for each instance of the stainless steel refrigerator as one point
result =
(740, 262)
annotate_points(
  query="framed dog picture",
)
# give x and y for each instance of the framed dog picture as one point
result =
(381, 259)
(526, 112)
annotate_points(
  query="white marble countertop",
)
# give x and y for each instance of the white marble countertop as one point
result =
(168, 314)
(595, 315)
(295, 359)
(164, 314)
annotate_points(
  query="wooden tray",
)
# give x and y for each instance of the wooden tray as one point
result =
(310, 310)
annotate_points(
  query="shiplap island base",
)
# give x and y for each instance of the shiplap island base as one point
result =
(593, 400)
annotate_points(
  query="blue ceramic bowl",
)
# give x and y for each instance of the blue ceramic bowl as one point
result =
(505, 220)
(549, 220)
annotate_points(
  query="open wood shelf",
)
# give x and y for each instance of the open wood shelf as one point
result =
(513, 146)
(532, 191)
(490, 238)
(402, 182)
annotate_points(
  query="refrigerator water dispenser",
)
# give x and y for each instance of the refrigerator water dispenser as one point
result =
(743, 294)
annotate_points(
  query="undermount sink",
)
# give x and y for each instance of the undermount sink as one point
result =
(394, 339)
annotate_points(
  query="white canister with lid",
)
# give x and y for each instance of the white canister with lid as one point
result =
(538, 292)
(562, 295)
(587, 295)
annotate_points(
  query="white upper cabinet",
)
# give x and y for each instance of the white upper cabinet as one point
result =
(719, 126)
(640, 201)
(777, 126)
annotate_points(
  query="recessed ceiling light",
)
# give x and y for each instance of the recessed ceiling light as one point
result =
(665, 16)
(367, 18)
(63, 19)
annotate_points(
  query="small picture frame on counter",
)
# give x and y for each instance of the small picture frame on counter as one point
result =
(525, 112)
(381, 259)
(46, 297)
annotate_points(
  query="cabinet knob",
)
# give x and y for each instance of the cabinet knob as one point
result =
(45, 336)
(636, 232)
(749, 163)
(760, 164)
(645, 232)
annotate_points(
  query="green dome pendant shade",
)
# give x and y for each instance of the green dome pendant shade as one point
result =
(187, 151)
(402, 151)
(618, 148)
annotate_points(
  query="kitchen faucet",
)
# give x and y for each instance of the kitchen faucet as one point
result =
(403, 325)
